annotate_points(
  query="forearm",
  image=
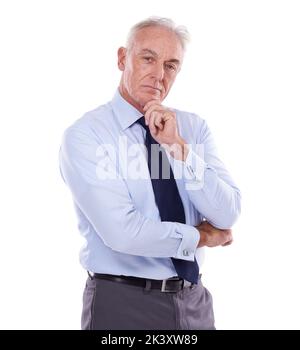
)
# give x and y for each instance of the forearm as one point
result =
(125, 229)
(217, 201)
(212, 192)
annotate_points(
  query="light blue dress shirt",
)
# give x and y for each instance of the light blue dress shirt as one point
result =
(103, 162)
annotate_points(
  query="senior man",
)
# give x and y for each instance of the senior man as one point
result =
(150, 193)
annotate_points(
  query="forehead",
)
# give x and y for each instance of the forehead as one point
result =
(161, 40)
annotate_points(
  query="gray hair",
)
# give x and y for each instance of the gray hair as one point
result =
(181, 31)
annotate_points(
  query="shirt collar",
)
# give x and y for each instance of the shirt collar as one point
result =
(124, 111)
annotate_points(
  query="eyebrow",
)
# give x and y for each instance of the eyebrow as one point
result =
(153, 53)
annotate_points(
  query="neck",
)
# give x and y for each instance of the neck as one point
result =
(126, 97)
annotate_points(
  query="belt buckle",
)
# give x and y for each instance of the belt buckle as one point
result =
(164, 287)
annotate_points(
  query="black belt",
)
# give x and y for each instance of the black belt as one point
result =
(170, 285)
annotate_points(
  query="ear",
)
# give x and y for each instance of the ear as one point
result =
(122, 58)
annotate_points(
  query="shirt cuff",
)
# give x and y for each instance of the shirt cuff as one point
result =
(191, 170)
(190, 237)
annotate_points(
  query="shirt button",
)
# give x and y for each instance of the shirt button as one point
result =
(185, 252)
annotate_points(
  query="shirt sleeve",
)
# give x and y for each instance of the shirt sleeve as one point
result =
(107, 204)
(207, 181)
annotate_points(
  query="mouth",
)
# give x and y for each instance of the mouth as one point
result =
(151, 87)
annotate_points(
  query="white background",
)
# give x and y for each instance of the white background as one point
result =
(241, 73)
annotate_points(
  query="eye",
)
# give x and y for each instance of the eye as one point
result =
(171, 67)
(148, 59)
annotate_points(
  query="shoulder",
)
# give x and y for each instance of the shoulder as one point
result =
(191, 123)
(188, 117)
(90, 126)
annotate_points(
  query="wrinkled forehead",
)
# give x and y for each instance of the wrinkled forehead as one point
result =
(160, 40)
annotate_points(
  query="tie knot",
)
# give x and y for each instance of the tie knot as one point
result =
(141, 121)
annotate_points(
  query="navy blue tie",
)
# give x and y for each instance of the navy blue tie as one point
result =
(168, 200)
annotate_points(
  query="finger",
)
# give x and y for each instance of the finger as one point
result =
(152, 126)
(229, 231)
(228, 239)
(158, 121)
(226, 233)
(150, 103)
(150, 110)
(225, 230)
(227, 243)
(147, 115)
(167, 116)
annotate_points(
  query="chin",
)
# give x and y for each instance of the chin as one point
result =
(148, 96)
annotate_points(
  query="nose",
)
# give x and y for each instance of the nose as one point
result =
(158, 72)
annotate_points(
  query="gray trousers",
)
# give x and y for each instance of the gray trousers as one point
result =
(109, 305)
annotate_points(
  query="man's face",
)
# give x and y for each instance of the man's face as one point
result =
(150, 66)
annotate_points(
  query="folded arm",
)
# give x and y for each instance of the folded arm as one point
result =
(107, 205)
(208, 183)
